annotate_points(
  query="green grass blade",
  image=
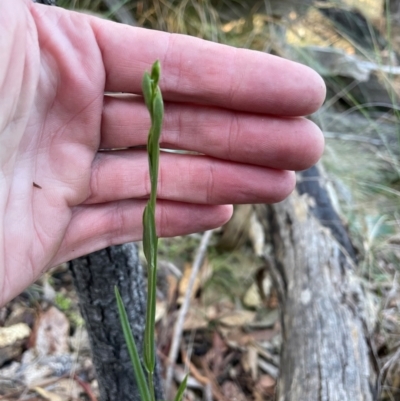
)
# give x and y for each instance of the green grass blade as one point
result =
(181, 389)
(132, 349)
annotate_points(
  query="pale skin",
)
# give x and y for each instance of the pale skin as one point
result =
(60, 198)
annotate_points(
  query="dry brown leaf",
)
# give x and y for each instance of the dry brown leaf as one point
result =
(161, 310)
(266, 319)
(232, 391)
(237, 318)
(8, 335)
(266, 384)
(67, 389)
(184, 283)
(79, 341)
(263, 335)
(265, 283)
(235, 337)
(47, 395)
(211, 312)
(216, 353)
(257, 394)
(195, 319)
(12, 339)
(252, 298)
(256, 235)
(20, 314)
(206, 272)
(250, 362)
(51, 333)
(172, 288)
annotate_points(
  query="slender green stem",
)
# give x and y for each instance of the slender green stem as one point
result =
(150, 380)
(154, 103)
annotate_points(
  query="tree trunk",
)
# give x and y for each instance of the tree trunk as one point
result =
(325, 353)
(95, 276)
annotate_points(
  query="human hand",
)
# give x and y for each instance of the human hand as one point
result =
(61, 198)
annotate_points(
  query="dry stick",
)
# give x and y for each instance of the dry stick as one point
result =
(193, 370)
(204, 380)
(86, 387)
(216, 389)
(176, 338)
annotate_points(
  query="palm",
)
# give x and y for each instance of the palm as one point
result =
(53, 162)
(63, 198)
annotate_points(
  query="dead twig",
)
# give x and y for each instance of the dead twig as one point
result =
(216, 390)
(86, 387)
(207, 381)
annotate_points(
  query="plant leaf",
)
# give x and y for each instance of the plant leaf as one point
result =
(158, 114)
(154, 103)
(155, 73)
(147, 92)
(132, 349)
(150, 239)
(181, 389)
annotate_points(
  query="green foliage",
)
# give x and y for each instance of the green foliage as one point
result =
(154, 102)
(63, 302)
(132, 349)
(153, 99)
(181, 389)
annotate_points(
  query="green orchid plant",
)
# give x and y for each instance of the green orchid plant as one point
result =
(154, 103)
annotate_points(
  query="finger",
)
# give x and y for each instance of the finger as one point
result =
(195, 70)
(186, 178)
(281, 143)
(99, 226)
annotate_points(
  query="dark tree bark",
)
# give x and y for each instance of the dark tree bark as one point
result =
(95, 276)
(325, 353)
